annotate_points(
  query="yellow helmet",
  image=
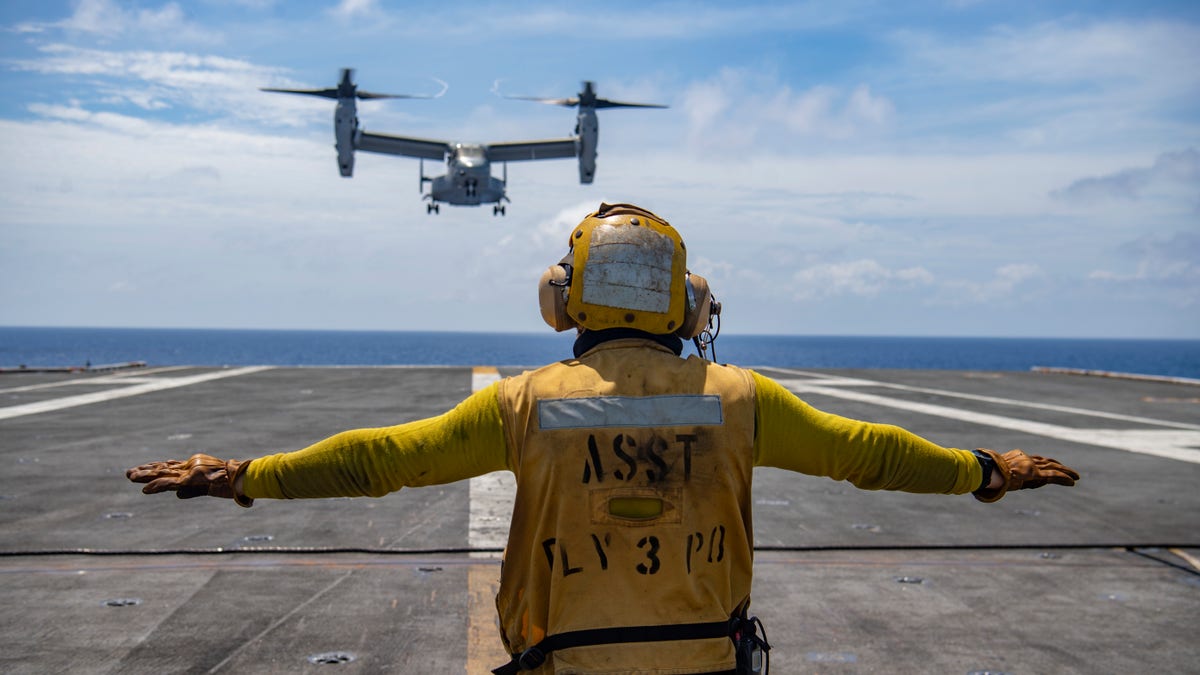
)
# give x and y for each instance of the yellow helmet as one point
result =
(627, 268)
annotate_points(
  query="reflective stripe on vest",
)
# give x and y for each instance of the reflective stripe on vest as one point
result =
(629, 411)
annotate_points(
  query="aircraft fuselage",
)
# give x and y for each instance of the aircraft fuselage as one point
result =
(468, 180)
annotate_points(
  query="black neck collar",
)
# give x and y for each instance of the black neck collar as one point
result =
(590, 338)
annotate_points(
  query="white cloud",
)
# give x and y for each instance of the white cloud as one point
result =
(745, 111)
(864, 277)
(636, 21)
(254, 4)
(1170, 171)
(97, 16)
(1000, 288)
(155, 80)
(1162, 262)
(1063, 51)
(554, 231)
(1066, 83)
(867, 109)
(346, 9)
(109, 20)
(123, 124)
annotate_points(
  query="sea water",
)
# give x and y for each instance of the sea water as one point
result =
(74, 347)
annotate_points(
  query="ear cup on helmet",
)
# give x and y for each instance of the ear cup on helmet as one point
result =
(552, 297)
(697, 308)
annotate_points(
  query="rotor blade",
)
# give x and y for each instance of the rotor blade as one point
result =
(605, 103)
(587, 97)
(600, 102)
(371, 94)
(333, 93)
(326, 93)
(347, 89)
(566, 102)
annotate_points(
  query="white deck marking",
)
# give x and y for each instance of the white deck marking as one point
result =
(825, 380)
(491, 505)
(136, 387)
(127, 376)
(1181, 442)
(491, 494)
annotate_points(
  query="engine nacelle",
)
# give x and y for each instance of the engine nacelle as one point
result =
(345, 127)
(587, 129)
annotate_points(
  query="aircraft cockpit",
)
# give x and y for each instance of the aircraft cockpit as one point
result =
(469, 155)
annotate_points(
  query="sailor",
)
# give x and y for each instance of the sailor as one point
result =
(630, 547)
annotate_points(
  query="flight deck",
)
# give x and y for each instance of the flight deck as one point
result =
(1103, 577)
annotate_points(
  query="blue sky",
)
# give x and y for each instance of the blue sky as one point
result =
(955, 167)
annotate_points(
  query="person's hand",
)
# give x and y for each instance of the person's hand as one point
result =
(1019, 471)
(200, 475)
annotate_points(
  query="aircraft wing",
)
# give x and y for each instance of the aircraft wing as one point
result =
(424, 148)
(518, 151)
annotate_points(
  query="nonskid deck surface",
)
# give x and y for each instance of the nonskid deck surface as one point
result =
(98, 578)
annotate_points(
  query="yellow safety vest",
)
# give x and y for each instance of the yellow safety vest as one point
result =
(633, 508)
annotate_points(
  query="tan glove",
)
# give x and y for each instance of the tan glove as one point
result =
(199, 476)
(1021, 471)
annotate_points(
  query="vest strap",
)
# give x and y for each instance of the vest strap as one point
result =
(536, 655)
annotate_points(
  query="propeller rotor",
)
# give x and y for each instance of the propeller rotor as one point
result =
(346, 88)
(587, 99)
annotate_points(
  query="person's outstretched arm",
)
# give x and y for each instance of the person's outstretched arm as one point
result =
(464, 442)
(791, 434)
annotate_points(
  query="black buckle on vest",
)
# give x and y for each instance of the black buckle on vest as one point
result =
(531, 658)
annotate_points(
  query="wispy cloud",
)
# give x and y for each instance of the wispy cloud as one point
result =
(156, 80)
(108, 20)
(1170, 171)
(1167, 263)
(864, 277)
(1004, 282)
(1066, 83)
(868, 278)
(123, 124)
(744, 110)
(618, 21)
(347, 9)
(1062, 51)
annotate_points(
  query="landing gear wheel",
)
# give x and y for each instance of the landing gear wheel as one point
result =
(432, 208)
(498, 210)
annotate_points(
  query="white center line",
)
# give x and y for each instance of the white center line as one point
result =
(136, 388)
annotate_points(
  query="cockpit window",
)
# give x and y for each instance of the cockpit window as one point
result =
(471, 155)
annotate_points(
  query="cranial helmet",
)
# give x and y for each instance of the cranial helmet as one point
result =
(627, 268)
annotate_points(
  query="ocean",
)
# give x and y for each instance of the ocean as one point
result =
(76, 347)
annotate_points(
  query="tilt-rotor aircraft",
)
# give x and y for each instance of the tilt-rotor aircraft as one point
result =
(468, 180)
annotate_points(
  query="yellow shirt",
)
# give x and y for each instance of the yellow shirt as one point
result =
(469, 441)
